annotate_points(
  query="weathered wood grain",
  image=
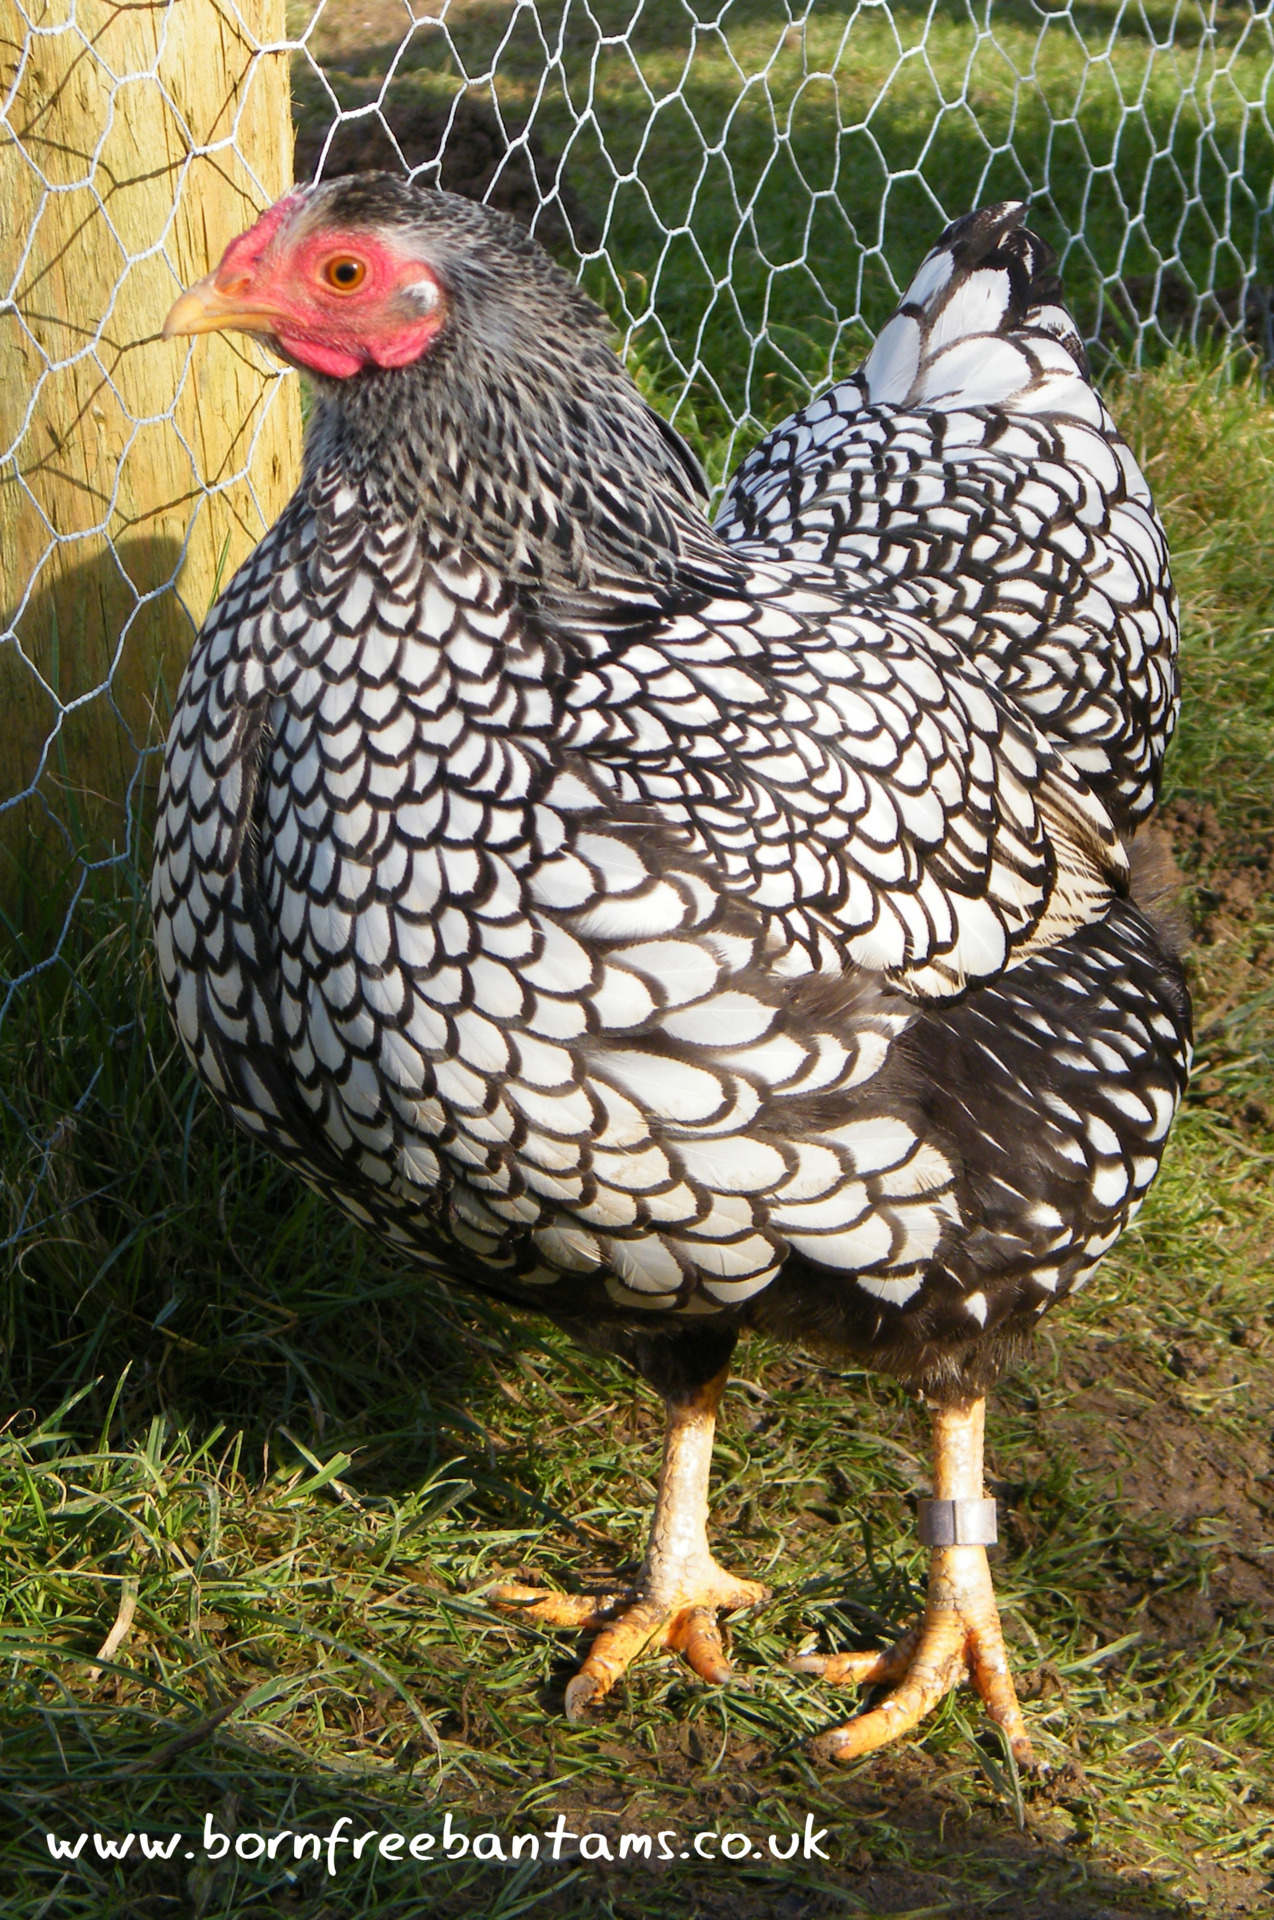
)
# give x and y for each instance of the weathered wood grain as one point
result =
(137, 141)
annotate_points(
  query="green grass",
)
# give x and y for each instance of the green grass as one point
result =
(293, 1462)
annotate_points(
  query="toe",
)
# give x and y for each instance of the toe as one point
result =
(696, 1634)
(581, 1611)
(873, 1669)
(993, 1678)
(937, 1664)
(682, 1617)
(612, 1653)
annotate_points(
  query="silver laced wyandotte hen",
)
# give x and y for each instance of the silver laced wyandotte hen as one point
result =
(675, 931)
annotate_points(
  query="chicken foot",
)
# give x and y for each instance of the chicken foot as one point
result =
(959, 1636)
(680, 1589)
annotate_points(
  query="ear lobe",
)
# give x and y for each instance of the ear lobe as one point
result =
(423, 294)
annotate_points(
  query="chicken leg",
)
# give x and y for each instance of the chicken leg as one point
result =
(959, 1636)
(680, 1589)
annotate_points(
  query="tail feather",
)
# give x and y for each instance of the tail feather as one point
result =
(989, 278)
(970, 474)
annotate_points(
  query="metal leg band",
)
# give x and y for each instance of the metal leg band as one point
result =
(957, 1523)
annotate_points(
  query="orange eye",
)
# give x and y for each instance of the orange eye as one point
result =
(344, 272)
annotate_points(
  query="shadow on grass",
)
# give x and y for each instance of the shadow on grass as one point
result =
(898, 1838)
(108, 637)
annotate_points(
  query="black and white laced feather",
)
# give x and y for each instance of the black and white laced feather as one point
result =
(659, 932)
(971, 473)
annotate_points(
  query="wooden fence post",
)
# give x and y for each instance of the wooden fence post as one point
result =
(136, 140)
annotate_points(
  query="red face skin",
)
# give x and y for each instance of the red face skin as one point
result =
(334, 300)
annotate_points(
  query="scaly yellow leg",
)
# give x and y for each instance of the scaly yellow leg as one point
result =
(959, 1636)
(680, 1589)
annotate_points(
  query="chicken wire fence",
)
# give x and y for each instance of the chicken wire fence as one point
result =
(744, 186)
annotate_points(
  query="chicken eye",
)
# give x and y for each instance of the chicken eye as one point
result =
(344, 272)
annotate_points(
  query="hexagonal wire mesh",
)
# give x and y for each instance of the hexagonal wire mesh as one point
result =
(744, 185)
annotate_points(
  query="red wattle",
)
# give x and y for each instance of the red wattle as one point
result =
(338, 363)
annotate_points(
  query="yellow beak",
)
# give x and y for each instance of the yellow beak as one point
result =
(204, 308)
